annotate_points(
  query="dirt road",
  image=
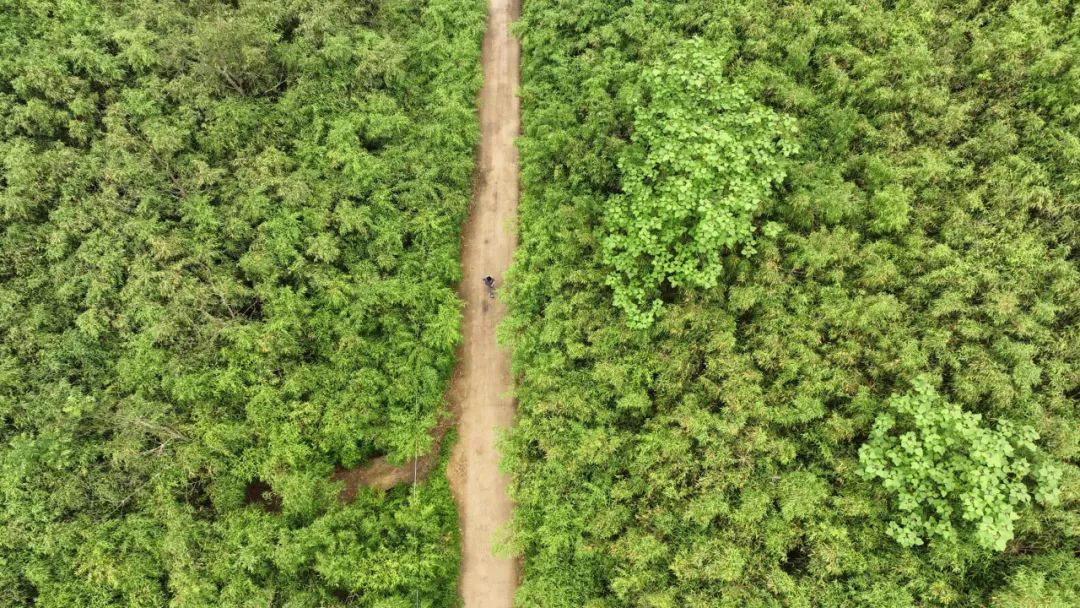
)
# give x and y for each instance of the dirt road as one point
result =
(480, 388)
(482, 383)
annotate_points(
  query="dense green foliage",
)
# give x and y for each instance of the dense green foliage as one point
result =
(229, 235)
(945, 464)
(929, 224)
(701, 160)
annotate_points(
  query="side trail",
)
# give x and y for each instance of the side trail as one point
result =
(481, 385)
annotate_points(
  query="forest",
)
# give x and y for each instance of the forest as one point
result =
(229, 237)
(795, 315)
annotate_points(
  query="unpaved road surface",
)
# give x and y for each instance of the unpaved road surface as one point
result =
(380, 474)
(481, 386)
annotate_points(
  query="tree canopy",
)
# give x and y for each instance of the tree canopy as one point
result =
(927, 226)
(229, 235)
(703, 157)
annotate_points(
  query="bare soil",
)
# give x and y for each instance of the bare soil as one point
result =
(481, 391)
(380, 474)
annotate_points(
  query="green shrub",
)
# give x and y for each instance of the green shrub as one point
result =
(702, 158)
(952, 476)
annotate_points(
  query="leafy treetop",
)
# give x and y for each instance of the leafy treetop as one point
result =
(702, 158)
(940, 462)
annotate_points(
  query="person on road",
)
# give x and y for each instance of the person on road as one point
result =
(489, 282)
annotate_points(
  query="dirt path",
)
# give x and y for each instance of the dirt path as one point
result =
(378, 473)
(480, 389)
(481, 386)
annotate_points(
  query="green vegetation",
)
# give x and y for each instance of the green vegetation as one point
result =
(945, 463)
(701, 160)
(229, 237)
(916, 255)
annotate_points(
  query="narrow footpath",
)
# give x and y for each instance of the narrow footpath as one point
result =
(480, 391)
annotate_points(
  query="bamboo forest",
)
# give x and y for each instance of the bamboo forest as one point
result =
(539, 303)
